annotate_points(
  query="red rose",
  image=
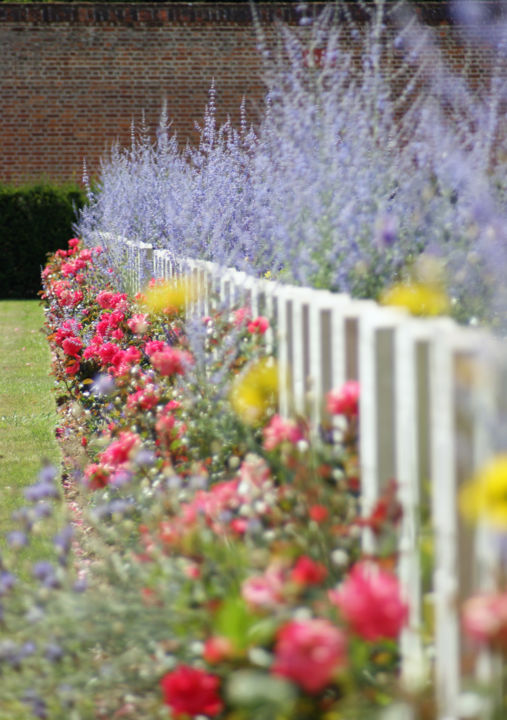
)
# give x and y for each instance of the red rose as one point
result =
(258, 326)
(190, 691)
(344, 401)
(318, 513)
(308, 572)
(72, 346)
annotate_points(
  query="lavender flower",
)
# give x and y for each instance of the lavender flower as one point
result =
(53, 652)
(36, 704)
(343, 183)
(17, 538)
(7, 581)
(45, 572)
(63, 540)
(41, 490)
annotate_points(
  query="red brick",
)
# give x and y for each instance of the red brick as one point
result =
(75, 75)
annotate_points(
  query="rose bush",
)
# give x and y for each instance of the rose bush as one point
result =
(211, 545)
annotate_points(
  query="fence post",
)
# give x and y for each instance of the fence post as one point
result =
(444, 515)
(376, 377)
(412, 466)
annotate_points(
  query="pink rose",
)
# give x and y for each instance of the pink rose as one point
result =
(369, 599)
(109, 300)
(170, 361)
(253, 473)
(72, 346)
(241, 315)
(107, 352)
(153, 346)
(344, 401)
(485, 619)
(217, 648)
(264, 592)
(96, 476)
(309, 652)
(120, 451)
(279, 431)
(138, 324)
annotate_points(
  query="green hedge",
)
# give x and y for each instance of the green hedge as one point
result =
(34, 220)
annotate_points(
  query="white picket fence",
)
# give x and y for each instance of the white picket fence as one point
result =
(432, 395)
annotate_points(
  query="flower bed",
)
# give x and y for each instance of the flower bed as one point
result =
(216, 568)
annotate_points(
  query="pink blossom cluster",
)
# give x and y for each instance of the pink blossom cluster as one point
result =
(485, 620)
(114, 461)
(370, 601)
(344, 400)
(279, 431)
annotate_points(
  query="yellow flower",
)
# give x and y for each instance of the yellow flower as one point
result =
(255, 391)
(418, 298)
(485, 496)
(169, 295)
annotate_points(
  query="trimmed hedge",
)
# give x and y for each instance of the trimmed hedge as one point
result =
(34, 220)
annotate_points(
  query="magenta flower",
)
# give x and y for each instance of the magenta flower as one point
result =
(344, 401)
(170, 361)
(309, 653)
(72, 346)
(370, 601)
(121, 450)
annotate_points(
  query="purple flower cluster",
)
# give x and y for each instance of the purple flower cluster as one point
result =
(344, 182)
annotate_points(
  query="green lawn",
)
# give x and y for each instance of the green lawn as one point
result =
(27, 407)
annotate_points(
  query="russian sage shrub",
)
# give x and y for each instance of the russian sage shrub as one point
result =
(346, 182)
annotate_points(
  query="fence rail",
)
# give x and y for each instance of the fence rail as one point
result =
(433, 395)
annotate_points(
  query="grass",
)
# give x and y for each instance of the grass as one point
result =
(27, 407)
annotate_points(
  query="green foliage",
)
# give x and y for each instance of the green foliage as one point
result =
(34, 221)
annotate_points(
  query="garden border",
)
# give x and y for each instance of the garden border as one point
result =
(432, 394)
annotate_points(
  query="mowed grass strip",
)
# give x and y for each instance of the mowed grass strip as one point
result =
(27, 406)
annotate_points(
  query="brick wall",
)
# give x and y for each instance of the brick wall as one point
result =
(75, 75)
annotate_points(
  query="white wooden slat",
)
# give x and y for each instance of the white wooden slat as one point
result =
(298, 305)
(284, 331)
(444, 517)
(145, 264)
(327, 342)
(317, 356)
(133, 267)
(269, 290)
(487, 378)
(338, 347)
(158, 263)
(410, 425)
(376, 378)
(241, 284)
